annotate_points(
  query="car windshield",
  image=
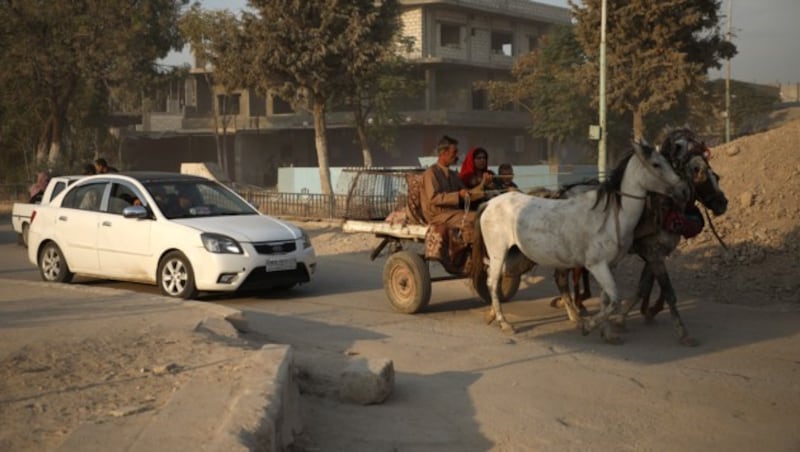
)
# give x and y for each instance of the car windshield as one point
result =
(186, 199)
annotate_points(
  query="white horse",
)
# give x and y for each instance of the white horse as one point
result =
(593, 230)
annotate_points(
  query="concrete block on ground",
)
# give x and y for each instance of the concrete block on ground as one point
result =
(367, 381)
(217, 326)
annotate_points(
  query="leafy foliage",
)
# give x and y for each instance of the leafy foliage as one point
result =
(656, 51)
(56, 52)
(214, 36)
(375, 94)
(545, 85)
(308, 52)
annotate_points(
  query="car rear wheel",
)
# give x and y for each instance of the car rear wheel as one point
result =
(176, 277)
(52, 265)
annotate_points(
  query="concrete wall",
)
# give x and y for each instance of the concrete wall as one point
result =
(307, 180)
(790, 92)
(412, 26)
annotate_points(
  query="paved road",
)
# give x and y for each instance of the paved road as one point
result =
(461, 385)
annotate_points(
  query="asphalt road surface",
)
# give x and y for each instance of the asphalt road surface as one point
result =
(464, 386)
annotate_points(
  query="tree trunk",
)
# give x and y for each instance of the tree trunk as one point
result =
(638, 124)
(322, 146)
(215, 109)
(43, 146)
(54, 154)
(361, 132)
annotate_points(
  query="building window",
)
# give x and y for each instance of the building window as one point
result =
(449, 35)
(228, 105)
(502, 43)
(480, 99)
(280, 106)
(258, 105)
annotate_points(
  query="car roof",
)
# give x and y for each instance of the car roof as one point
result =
(153, 176)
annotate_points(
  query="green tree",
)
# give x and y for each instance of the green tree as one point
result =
(308, 52)
(376, 92)
(546, 86)
(57, 51)
(214, 38)
(656, 51)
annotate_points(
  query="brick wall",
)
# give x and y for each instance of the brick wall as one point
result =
(412, 27)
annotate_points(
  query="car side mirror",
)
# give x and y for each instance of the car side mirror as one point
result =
(139, 212)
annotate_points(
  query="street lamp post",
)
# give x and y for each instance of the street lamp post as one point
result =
(601, 150)
(728, 79)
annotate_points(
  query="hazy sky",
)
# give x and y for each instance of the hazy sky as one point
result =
(766, 33)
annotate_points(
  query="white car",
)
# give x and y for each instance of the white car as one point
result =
(184, 233)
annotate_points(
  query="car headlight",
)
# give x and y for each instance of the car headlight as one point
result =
(217, 243)
(305, 240)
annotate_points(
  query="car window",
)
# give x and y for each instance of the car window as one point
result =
(85, 197)
(184, 199)
(122, 196)
(58, 188)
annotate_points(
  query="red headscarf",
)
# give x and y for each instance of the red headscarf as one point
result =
(468, 167)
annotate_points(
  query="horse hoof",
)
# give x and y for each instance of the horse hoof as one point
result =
(556, 303)
(687, 341)
(488, 317)
(507, 328)
(585, 330)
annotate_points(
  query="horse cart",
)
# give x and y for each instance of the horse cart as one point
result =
(411, 245)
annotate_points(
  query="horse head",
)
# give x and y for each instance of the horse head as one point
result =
(689, 157)
(659, 177)
(706, 185)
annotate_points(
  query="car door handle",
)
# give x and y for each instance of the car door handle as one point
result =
(106, 223)
(62, 218)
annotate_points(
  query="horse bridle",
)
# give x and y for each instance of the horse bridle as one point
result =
(705, 153)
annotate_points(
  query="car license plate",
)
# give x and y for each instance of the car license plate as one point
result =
(276, 265)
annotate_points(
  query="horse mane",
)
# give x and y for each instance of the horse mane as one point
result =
(609, 189)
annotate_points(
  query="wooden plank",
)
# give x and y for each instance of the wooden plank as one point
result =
(400, 231)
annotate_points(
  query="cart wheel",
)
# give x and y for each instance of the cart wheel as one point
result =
(509, 284)
(407, 281)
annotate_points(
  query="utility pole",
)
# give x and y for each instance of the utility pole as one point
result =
(601, 150)
(728, 79)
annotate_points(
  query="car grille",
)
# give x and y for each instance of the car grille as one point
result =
(275, 247)
(259, 278)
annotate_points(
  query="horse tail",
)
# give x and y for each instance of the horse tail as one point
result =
(478, 248)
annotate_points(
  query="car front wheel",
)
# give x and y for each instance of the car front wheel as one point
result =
(52, 265)
(176, 277)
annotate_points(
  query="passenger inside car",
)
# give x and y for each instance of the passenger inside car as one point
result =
(90, 201)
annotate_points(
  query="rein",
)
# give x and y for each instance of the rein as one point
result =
(713, 229)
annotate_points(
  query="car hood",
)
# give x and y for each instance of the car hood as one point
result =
(244, 228)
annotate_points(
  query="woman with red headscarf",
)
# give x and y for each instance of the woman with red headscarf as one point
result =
(475, 169)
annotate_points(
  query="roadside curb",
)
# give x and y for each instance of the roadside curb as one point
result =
(264, 415)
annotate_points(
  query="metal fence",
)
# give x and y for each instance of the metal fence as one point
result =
(362, 194)
(307, 205)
